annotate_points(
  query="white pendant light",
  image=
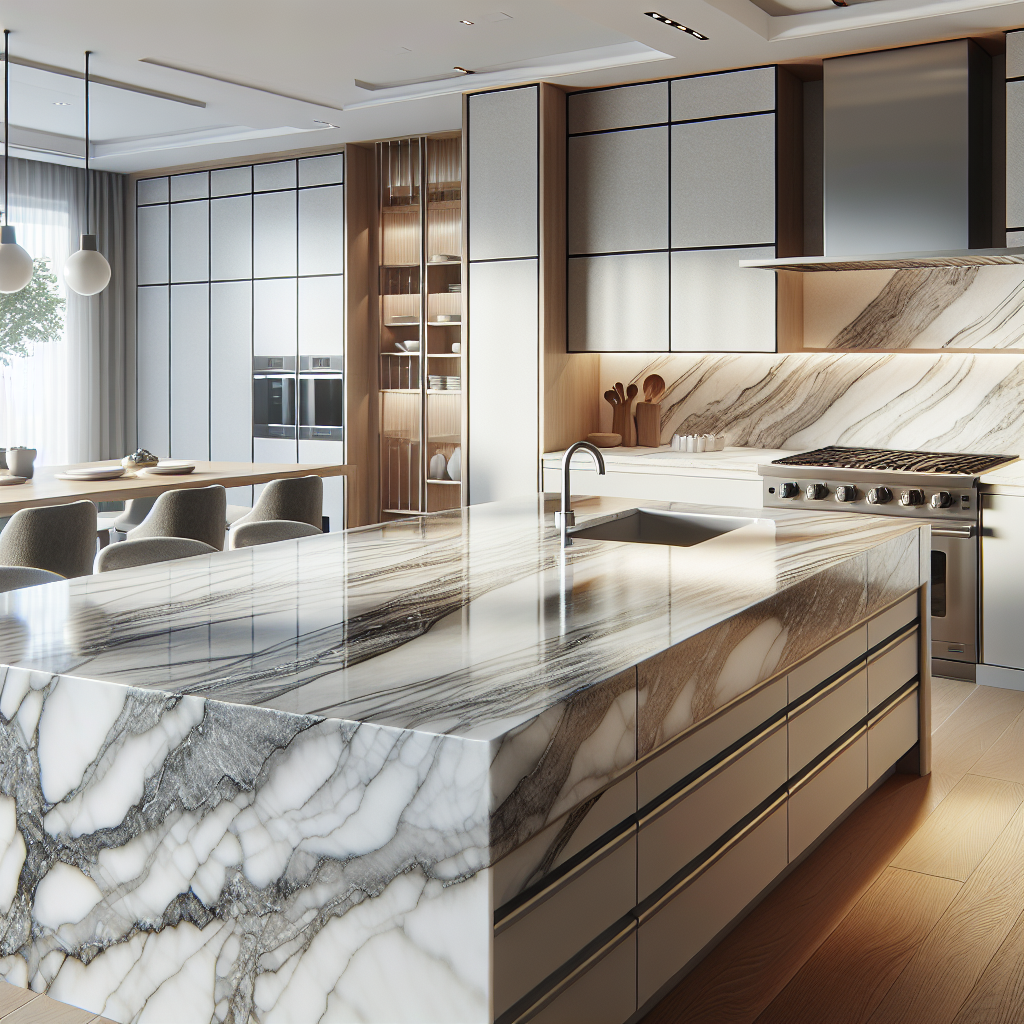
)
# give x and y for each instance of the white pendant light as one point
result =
(15, 263)
(87, 271)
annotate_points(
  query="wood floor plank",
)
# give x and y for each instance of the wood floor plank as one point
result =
(953, 841)
(851, 971)
(998, 998)
(1005, 758)
(947, 696)
(13, 996)
(751, 965)
(963, 739)
(44, 1010)
(954, 956)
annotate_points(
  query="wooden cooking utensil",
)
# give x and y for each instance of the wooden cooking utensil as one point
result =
(621, 392)
(628, 423)
(654, 388)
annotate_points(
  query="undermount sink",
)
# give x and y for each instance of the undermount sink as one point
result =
(651, 526)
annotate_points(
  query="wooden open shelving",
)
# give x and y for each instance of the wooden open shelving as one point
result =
(417, 289)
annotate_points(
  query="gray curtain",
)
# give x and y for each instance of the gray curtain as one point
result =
(95, 387)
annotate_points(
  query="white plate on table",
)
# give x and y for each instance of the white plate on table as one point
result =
(8, 481)
(170, 467)
(93, 473)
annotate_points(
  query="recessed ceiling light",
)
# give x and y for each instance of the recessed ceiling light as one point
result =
(464, 71)
(675, 24)
(462, 21)
(61, 103)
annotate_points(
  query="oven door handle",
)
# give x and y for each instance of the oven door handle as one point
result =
(963, 532)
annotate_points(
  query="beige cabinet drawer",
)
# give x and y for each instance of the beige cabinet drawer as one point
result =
(545, 932)
(605, 993)
(816, 801)
(891, 667)
(690, 821)
(881, 627)
(528, 864)
(891, 734)
(709, 738)
(680, 926)
(826, 663)
(816, 725)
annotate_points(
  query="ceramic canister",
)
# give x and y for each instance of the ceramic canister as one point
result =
(19, 461)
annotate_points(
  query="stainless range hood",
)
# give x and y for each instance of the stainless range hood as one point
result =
(908, 162)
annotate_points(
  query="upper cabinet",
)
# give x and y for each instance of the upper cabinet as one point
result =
(669, 185)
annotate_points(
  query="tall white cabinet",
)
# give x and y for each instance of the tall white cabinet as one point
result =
(232, 263)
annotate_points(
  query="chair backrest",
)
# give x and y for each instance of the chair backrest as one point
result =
(58, 538)
(268, 531)
(15, 577)
(135, 512)
(148, 550)
(193, 512)
(298, 499)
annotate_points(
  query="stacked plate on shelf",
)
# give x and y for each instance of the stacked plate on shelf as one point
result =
(453, 383)
(435, 382)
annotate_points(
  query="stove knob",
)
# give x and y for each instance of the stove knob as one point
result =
(815, 492)
(912, 497)
(941, 499)
(879, 496)
(789, 490)
(846, 492)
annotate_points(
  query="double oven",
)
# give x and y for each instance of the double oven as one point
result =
(303, 398)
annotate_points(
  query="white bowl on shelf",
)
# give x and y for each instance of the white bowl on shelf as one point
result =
(410, 345)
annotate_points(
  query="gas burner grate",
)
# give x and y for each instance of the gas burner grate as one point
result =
(884, 459)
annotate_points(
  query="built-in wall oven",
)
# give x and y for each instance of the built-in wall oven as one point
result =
(273, 396)
(321, 398)
(939, 487)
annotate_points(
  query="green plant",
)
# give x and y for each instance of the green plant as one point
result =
(31, 316)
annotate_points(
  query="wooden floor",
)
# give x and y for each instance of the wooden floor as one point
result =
(912, 911)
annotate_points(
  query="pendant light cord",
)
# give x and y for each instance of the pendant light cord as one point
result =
(7, 129)
(88, 218)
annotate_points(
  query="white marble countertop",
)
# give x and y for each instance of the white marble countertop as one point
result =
(1008, 480)
(735, 463)
(464, 623)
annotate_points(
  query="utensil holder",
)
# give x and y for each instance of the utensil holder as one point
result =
(648, 424)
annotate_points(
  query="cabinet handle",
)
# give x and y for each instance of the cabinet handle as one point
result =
(963, 532)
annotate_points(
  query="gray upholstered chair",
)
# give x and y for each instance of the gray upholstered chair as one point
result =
(247, 535)
(58, 538)
(16, 577)
(193, 512)
(135, 510)
(148, 550)
(299, 499)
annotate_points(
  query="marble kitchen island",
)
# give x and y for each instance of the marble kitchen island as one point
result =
(436, 770)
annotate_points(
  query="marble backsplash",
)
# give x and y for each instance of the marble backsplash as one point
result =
(956, 308)
(935, 402)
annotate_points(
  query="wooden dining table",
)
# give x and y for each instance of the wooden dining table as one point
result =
(46, 489)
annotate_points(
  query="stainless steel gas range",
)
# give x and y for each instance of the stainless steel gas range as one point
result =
(941, 487)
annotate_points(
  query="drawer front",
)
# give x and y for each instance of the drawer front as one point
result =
(532, 944)
(527, 865)
(688, 920)
(708, 739)
(708, 808)
(891, 668)
(816, 726)
(892, 621)
(891, 735)
(817, 801)
(606, 994)
(827, 663)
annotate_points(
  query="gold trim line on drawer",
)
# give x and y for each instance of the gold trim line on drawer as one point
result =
(670, 802)
(563, 880)
(890, 642)
(902, 694)
(825, 691)
(795, 787)
(713, 717)
(683, 883)
(583, 967)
